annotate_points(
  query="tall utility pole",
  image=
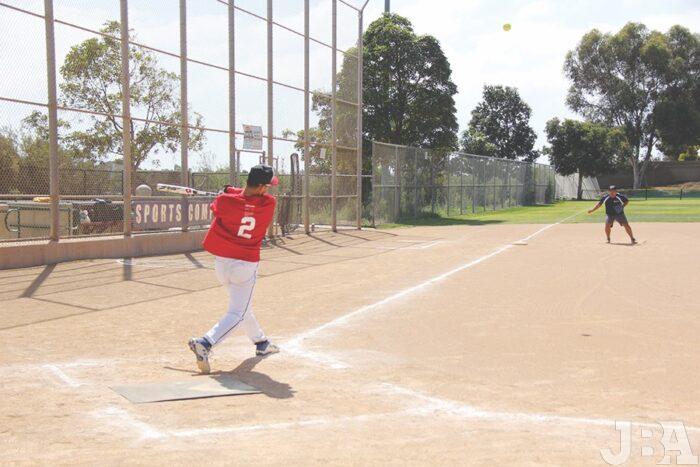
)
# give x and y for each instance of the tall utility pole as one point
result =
(387, 6)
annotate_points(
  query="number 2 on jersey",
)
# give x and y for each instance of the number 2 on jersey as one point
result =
(247, 225)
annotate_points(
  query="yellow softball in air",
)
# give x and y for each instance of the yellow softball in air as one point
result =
(506, 27)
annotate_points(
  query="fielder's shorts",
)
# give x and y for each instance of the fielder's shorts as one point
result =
(620, 218)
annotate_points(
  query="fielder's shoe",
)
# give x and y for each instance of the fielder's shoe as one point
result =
(634, 240)
(265, 348)
(201, 348)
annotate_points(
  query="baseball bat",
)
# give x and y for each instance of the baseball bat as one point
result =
(184, 190)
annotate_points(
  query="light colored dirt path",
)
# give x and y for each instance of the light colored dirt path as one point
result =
(525, 356)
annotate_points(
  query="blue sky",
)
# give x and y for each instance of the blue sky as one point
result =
(529, 57)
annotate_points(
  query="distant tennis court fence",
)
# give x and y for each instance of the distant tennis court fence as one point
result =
(410, 182)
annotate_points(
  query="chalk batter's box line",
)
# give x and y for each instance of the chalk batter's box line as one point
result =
(420, 406)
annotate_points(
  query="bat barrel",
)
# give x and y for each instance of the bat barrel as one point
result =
(183, 190)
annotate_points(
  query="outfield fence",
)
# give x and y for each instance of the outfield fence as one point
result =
(644, 194)
(411, 182)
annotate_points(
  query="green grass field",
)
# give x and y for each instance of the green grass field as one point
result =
(652, 210)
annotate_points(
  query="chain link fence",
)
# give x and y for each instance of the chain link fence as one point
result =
(411, 182)
(567, 187)
(101, 97)
(679, 193)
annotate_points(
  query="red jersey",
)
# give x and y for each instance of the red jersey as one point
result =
(239, 225)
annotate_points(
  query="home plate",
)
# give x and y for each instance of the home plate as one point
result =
(196, 388)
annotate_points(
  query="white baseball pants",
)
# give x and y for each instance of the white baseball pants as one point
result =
(239, 278)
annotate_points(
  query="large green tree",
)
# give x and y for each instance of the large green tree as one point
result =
(9, 161)
(91, 81)
(634, 79)
(586, 148)
(408, 88)
(475, 142)
(677, 113)
(500, 126)
(407, 97)
(319, 150)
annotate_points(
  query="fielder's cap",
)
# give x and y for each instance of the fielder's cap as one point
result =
(262, 175)
(612, 187)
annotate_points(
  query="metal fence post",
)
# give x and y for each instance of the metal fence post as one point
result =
(334, 111)
(397, 194)
(432, 185)
(270, 116)
(126, 114)
(474, 174)
(53, 120)
(508, 169)
(184, 120)
(360, 65)
(448, 189)
(461, 192)
(307, 149)
(415, 183)
(232, 154)
(495, 206)
(482, 185)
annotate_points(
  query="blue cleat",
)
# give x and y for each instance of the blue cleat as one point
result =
(201, 348)
(265, 348)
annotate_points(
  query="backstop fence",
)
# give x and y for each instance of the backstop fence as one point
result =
(98, 96)
(410, 182)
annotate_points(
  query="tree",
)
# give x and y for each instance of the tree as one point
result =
(620, 80)
(475, 142)
(32, 142)
(91, 81)
(677, 113)
(584, 147)
(408, 89)
(501, 119)
(9, 161)
(691, 154)
(319, 154)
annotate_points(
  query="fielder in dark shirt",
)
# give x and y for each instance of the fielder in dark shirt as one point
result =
(614, 203)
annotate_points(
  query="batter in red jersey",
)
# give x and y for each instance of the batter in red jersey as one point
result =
(241, 218)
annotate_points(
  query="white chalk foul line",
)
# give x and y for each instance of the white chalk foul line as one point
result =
(119, 417)
(314, 422)
(295, 345)
(432, 404)
(21, 368)
(123, 419)
(57, 370)
(421, 405)
(67, 380)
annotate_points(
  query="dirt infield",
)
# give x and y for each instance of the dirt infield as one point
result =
(487, 345)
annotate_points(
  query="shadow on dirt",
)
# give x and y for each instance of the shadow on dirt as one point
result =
(437, 220)
(244, 372)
